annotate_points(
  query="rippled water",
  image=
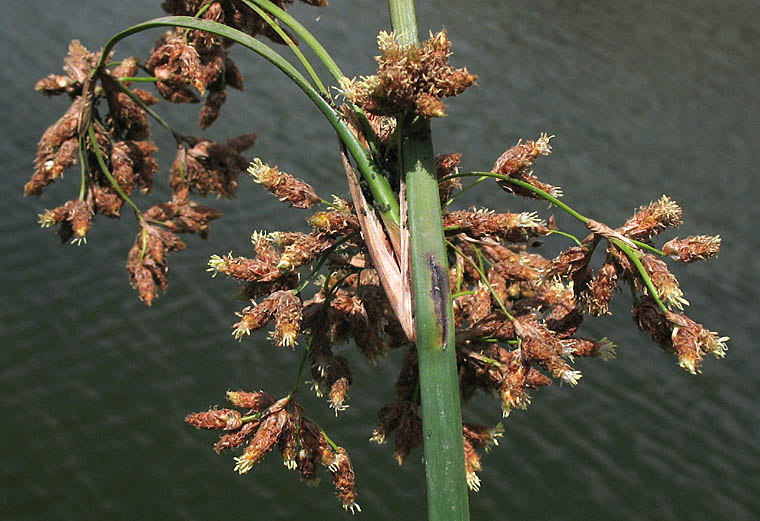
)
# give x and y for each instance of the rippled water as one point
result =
(645, 98)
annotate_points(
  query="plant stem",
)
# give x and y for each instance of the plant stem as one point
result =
(138, 79)
(302, 33)
(293, 47)
(107, 173)
(436, 347)
(404, 21)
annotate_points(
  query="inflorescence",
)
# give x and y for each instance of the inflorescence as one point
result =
(516, 312)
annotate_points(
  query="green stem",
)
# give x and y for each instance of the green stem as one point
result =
(293, 47)
(203, 9)
(556, 202)
(433, 313)
(302, 33)
(138, 79)
(404, 21)
(642, 272)
(107, 173)
(568, 235)
(433, 316)
(465, 189)
(85, 167)
(645, 246)
(252, 417)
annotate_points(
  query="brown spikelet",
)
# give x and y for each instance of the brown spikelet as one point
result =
(208, 167)
(265, 438)
(408, 431)
(665, 283)
(256, 402)
(344, 480)
(253, 270)
(284, 186)
(227, 419)
(521, 157)
(651, 320)
(288, 315)
(652, 219)
(177, 66)
(691, 341)
(56, 150)
(693, 248)
(338, 378)
(232, 440)
(601, 289)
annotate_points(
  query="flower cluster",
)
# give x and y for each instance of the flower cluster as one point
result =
(282, 425)
(350, 303)
(106, 129)
(410, 79)
(516, 312)
(185, 61)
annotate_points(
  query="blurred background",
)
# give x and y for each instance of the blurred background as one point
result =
(645, 98)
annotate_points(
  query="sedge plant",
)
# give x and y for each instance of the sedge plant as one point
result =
(393, 266)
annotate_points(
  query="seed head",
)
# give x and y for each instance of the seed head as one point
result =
(693, 248)
(227, 419)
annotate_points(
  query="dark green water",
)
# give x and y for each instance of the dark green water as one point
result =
(645, 98)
